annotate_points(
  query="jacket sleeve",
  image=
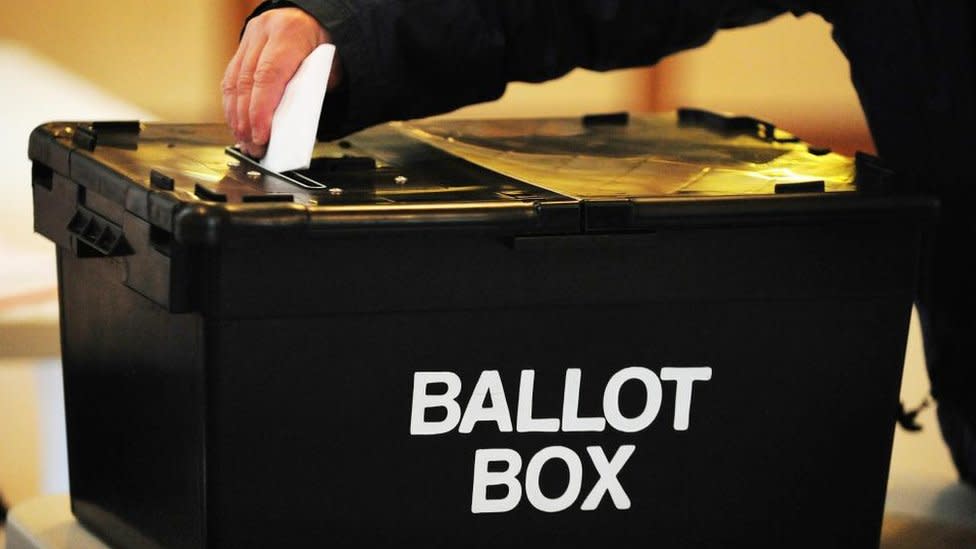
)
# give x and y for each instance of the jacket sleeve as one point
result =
(914, 69)
(406, 59)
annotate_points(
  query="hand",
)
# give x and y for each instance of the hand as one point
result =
(273, 46)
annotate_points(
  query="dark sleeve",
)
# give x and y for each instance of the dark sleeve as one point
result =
(912, 65)
(406, 59)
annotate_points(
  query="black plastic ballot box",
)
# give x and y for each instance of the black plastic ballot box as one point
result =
(659, 331)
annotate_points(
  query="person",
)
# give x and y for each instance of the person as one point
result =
(912, 64)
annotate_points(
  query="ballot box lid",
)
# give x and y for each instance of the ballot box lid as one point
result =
(601, 173)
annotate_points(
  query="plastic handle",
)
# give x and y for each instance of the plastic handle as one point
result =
(744, 125)
(95, 236)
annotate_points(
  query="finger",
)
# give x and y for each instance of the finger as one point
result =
(335, 74)
(245, 83)
(256, 151)
(275, 68)
(228, 88)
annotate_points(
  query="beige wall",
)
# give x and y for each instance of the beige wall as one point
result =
(167, 57)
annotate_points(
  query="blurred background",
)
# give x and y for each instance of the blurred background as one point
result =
(101, 59)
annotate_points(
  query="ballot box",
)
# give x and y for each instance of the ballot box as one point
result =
(679, 330)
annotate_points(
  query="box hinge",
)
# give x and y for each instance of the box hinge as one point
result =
(606, 119)
(799, 187)
(607, 215)
(55, 203)
(123, 134)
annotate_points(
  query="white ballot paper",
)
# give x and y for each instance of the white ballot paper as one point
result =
(296, 119)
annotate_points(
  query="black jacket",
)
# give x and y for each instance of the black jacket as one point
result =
(412, 58)
(911, 59)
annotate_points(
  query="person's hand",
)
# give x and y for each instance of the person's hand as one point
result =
(273, 46)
